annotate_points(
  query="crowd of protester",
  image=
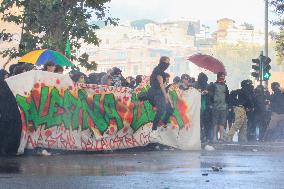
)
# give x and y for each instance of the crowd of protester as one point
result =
(253, 113)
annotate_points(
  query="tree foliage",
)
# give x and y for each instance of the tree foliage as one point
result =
(278, 6)
(50, 23)
(237, 59)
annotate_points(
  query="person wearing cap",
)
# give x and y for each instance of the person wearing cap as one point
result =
(159, 96)
(185, 78)
(219, 97)
(277, 115)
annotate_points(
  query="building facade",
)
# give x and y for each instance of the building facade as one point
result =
(137, 51)
(229, 32)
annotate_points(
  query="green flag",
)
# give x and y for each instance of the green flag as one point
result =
(68, 48)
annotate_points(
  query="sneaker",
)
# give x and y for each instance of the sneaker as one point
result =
(45, 153)
(209, 148)
(157, 147)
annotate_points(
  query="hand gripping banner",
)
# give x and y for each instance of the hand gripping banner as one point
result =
(58, 114)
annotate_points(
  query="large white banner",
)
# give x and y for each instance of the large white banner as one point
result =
(58, 114)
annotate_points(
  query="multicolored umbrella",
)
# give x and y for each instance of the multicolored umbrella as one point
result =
(39, 57)
(207, 62)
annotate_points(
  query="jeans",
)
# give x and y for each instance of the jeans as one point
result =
(162, 108)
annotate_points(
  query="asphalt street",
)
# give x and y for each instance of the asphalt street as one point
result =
(146, 169)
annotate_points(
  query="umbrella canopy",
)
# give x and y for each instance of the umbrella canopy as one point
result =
(39, 57)
(207, 62)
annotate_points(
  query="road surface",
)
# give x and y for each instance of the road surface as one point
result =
(149, 169)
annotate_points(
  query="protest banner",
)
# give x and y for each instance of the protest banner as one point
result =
(56, 113)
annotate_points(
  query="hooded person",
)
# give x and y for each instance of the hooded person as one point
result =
(159, 96)
(3, 74)
(202, 81)
(248, 89)
(260, 112)
(242, 102)
(277, 113)
(206, 108)
(130, 82)
(117, 79)
(138, 80)
(15, 69)
(78, 77)
(10, 121)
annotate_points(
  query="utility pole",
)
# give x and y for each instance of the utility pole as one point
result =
(261, 68)
(266, 35)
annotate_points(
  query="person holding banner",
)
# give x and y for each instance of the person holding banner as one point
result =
(10, 120)
(159, 96)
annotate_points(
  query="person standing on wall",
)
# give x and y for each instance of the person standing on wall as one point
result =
(159, 96)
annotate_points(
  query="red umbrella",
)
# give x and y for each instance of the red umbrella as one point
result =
(207, 62)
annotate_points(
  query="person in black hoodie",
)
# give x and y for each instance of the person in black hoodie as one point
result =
(277, 116)
(241, 102)
(10, 121)
(251, 127)
(3, 74)
(260, 113)
(206, 108)
(159, 96)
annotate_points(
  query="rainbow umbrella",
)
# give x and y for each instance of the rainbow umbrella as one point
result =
(39, 57)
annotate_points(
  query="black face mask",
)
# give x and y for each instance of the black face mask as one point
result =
(276, 90)
(163, 66)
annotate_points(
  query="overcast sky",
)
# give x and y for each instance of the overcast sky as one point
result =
(207, 11)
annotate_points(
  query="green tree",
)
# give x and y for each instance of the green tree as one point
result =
(248, 26)
(51, 23)
(237, 59)
(278, 6)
